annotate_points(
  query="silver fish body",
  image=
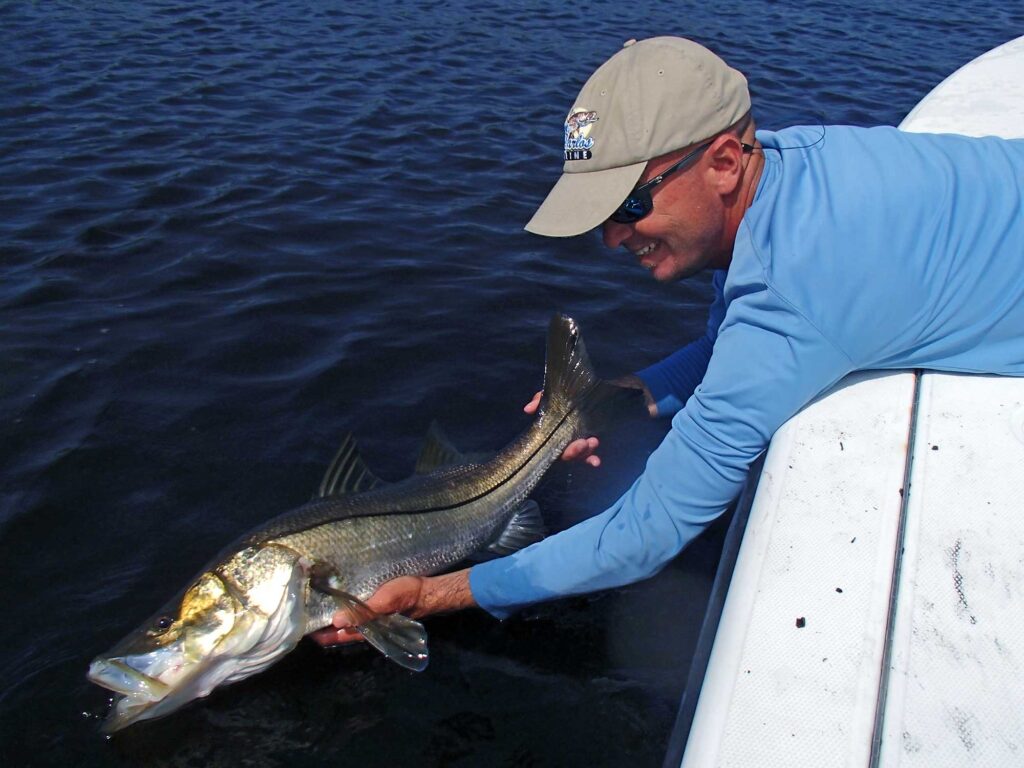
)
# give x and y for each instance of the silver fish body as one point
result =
(421, 525)
(254, 602)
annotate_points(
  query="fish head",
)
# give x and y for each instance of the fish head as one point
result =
(230, 622)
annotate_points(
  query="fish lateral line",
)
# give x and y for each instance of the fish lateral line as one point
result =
(353, 514)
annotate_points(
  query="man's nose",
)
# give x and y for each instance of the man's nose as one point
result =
(614, 233)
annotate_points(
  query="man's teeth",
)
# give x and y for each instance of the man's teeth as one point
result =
(645, 250)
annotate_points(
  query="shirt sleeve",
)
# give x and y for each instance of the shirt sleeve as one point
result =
(768, 362)
(672, 380)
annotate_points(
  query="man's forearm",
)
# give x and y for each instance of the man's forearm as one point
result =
(443, 594)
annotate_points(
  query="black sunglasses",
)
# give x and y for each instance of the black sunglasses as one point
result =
(639, 203)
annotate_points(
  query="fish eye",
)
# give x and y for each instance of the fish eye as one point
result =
(163, 623)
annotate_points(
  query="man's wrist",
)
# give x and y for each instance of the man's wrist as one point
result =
(445, 593)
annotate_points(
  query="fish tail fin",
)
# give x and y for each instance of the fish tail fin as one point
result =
(570, 381)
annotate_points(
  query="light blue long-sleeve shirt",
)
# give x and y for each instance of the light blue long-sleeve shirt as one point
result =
(673, 380)
(869, 248)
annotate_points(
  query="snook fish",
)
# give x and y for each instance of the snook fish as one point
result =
(254, 602)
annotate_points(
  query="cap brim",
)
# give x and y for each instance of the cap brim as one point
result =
(581, 201)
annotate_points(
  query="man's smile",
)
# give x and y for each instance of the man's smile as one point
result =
(641, 252)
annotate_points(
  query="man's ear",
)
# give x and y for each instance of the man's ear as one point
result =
(725, 160)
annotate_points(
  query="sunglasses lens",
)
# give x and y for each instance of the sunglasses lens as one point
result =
(634, 208)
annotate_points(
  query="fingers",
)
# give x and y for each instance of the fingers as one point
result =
(531, 407)
(583, 450)
(578, 450)
(329, 636)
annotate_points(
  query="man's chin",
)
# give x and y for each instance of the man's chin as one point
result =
(667, 273)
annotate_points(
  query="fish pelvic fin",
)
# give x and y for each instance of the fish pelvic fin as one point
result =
(570, 381)
(347, 473)
(398, 637)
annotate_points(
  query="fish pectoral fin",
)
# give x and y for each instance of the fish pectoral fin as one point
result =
(401, 639)
(398, 637)
(525, 528)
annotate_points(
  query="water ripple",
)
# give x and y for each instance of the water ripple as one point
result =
(234, 231)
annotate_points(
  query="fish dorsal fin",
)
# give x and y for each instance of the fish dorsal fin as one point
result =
(525, 528)
(437, 451)
(347, 472)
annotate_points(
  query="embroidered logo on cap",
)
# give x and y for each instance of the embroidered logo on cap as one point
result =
(577, 134)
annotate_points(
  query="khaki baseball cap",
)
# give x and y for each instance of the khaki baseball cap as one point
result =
(651, 98)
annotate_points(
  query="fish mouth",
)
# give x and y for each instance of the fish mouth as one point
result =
(140, 695)
(119, 676)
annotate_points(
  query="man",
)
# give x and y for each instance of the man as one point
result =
(834, 248)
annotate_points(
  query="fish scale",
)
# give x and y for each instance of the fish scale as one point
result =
(368, 549)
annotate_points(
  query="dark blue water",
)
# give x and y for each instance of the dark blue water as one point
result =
(234, 231)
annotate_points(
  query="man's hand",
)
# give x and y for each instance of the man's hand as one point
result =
(585, 448)
(632, 381)
(412, 596)
(581, 450)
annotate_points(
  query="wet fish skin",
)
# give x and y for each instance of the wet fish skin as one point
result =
(254, 602)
